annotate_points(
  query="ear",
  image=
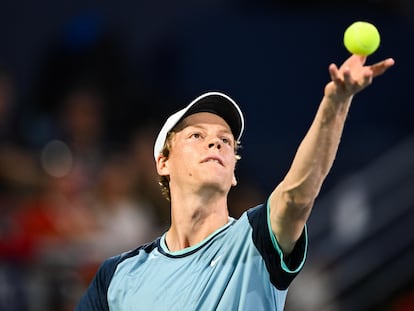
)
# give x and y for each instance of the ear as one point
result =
(234, 181)
(162, 165)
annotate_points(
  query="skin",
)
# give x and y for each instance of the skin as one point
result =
(199, 189)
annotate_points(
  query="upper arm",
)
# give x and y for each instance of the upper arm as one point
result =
(287, 217)
(282, 268)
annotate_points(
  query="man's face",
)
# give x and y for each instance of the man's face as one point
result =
(202, 154)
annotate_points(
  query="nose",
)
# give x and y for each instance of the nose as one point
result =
(215, 144)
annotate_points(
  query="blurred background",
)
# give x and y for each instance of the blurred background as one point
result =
(85, 85)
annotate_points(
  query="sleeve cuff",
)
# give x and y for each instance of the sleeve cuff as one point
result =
(295, 261)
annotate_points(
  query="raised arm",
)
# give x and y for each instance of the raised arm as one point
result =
(292, 200)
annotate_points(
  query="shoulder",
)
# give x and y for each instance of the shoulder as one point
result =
(95, 298)
(257, 213)
(109, 266)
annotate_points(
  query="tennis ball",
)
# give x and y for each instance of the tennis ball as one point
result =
(361, 38)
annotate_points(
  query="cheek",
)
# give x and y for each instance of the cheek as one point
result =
(183, 160)
(232, 160)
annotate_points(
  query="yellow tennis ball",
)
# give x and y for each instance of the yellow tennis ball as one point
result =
(361, 38)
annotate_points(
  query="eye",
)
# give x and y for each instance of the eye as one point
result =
(226, 140)
(195, 135)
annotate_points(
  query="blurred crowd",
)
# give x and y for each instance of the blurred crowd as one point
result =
(70, 203)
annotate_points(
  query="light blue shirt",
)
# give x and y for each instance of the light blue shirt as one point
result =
(238, 267)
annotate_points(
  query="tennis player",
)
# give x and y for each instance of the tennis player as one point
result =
(207, 260)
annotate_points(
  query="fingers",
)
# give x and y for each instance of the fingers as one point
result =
(348, 80)
(355, 60)
(334, 73)
(380, 67)
(345, 74)
(367, 77)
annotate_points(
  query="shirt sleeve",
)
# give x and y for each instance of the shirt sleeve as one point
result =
(95, 298)
(282, 270)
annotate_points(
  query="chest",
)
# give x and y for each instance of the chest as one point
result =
(164, 281)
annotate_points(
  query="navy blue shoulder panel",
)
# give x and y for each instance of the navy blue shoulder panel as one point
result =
(95, 298)
(280, 278)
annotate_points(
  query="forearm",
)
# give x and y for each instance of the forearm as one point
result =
(316, 153)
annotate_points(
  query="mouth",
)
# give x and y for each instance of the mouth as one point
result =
(213, 160)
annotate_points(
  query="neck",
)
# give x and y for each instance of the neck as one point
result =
(194, 218)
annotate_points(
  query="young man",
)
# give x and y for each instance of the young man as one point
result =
(206, 260)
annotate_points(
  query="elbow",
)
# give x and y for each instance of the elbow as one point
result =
(298, 207)
(299, 199)
(294, 201)
(303, 192)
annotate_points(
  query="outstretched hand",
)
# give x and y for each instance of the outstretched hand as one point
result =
(353, 76)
